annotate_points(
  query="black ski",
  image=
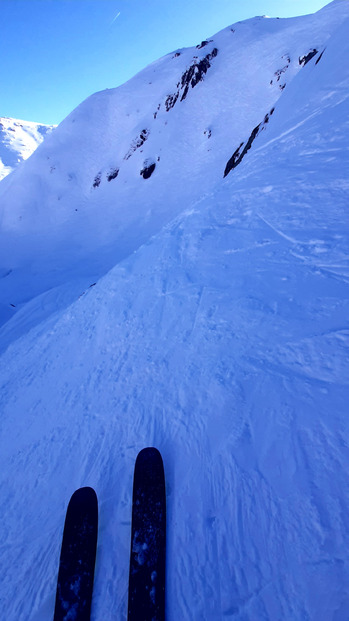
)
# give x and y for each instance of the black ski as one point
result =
(146, 597)
(78, 554)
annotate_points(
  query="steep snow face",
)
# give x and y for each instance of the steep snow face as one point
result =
(128, 160)
(222, 340)
(18, 140)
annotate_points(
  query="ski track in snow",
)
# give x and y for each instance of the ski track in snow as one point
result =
(220, 336)
(254, 471)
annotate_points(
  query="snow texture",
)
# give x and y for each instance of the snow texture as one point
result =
(203, 315)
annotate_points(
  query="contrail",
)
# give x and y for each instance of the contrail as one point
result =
(116, 16)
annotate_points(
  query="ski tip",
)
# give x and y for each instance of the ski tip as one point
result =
(149, 453)
(83, 496)
(149, 464)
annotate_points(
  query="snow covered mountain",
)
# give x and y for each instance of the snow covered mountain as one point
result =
(18, 140)
(174, 262)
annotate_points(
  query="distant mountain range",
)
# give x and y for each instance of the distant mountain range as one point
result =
(18, 140)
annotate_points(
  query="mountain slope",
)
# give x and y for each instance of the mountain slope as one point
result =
(81, 201)
(18, 140)
(222, 340)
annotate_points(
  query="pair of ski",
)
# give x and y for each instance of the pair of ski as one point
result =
(146, 599)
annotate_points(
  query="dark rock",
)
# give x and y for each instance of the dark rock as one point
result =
(234, 160)
(237, 157)
(138, 142)
(171, 100)
(97, 180)
(281, 71)
(241, 151)
(191, 77)
(318, 59)
(113, 174)
(303, 60)
(142, 137)
(147, 171)
(196, 72)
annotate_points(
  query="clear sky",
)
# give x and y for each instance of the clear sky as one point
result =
(55, 53)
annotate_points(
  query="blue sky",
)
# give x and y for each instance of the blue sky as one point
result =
(55, 53)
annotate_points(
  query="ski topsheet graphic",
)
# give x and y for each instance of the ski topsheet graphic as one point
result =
(146, 600)
(77, 561)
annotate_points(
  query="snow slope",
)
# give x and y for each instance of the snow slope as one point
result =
(219, 335)
(18, 140)
(61, 206)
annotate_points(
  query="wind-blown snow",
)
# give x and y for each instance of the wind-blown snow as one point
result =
(205, 316)
(18, 140)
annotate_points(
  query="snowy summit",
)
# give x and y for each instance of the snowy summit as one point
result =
(174, 273)
(18, 140)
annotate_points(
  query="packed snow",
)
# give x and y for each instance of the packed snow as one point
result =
(18, 140)
(201, 314)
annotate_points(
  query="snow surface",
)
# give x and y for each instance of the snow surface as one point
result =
(18, 140)
(205, 316)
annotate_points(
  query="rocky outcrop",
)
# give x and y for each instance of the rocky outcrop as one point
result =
(244, 147)
(280, 73)
(203, 44)
(170, 101)
(137, 143)
(148, 169)
(196, 72)
(318, 59)
(190, 78)
(97, 180)
(303, 60)
(113, 174)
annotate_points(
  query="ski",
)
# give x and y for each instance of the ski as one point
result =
(146, 598)
(77, 560)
